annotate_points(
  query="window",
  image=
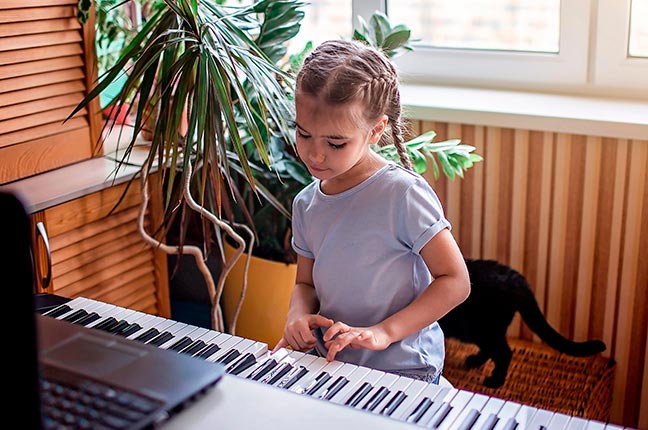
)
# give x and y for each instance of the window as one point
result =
(574, 46)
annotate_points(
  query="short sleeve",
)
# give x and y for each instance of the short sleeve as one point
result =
(422, 216)
(298, 240)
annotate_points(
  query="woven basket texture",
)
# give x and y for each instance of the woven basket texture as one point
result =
(540, 376)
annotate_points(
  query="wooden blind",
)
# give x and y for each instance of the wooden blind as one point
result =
(46, 68)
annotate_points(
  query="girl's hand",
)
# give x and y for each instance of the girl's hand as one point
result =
(340, 336)
(298, 334)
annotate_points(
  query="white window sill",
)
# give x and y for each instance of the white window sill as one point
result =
(616, 118)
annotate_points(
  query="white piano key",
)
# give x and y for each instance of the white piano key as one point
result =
(301, 361)
(492, 407)
(355, 379)
(158, 323)
(178, 335)
(280, 356)
(401, 385)
(469, 413)
(559, 421)
(411, 393)
(430, 391)
(509, 409)
(541, 418)
(343, 372)
(577, 423)
(119, 314)
(439, 409)
(364, 385)
(331, 369)
(595, 425)
(457, 404)
(313, 372)
(381, 386)
(225, 348)
(524, 417)
(82, 303)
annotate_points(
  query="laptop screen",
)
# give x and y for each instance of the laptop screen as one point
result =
(18, 280)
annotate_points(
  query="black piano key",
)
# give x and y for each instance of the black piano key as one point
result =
(359, 394)
(318, 383)
(106, 324)
(181, 344)
(198, 345)
(118, 327)
(161, 338)
(470, 419)
(127, 331)
(229, 356)
(378, 397)
(58, 311)
(91, 317)
(420, 409)
(393, 403)
(511, 424)
(208, 351)
(490, 422)
(440, 415)
(76, 315)
(542, 427)
(292, 377)
(244, 363)
(335, 388)
(262, 370)
(278, 373)
(148, 335)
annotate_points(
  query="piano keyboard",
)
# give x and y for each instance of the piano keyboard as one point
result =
(368, 390)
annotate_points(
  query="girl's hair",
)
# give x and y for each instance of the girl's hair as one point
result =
(343, 71)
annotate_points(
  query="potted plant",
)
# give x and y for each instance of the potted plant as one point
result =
(255, 306)
(195, 61)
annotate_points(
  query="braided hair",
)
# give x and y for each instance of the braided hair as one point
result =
(343, 71)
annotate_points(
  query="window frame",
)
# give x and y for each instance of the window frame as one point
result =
(591, 58)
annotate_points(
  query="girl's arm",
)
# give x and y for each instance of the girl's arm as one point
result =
(450, 286)
(302, 317)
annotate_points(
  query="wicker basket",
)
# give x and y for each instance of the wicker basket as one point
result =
(540, 376)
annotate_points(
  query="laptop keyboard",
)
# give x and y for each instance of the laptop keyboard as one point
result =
(74, 402)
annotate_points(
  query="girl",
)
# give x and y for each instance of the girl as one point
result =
(377, 265)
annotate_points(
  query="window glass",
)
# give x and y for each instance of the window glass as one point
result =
(323, 20)
(638, 39)
(511, 25)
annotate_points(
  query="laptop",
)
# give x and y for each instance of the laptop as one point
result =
(68, 372)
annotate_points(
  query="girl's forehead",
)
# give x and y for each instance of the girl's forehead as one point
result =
(314, 112)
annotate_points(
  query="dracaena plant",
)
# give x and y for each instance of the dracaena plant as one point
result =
(208, 75)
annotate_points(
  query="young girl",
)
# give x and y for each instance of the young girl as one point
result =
(377, 265)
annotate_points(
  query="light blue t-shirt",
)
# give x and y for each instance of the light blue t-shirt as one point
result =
(366, 242)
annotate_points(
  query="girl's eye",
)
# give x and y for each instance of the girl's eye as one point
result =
(337, 145)
(302, 134)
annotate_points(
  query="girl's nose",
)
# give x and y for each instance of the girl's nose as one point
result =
(316, 155)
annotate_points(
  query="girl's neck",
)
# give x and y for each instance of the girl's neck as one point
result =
(357, 174)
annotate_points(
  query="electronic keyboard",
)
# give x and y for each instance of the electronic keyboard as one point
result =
(372, 391)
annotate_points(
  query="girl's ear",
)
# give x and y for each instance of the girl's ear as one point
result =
(378, 130)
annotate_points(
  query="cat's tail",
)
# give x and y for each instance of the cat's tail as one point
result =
(533, 317)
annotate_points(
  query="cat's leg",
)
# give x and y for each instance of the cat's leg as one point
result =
(476, 360)
(501, 354)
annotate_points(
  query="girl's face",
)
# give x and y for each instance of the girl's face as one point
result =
(333, 141)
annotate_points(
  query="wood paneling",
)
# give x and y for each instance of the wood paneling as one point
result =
(569, 212)
(47, 65)
(97, 252)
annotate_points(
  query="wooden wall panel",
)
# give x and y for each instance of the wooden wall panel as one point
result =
(47, 65)
(97, 251)
(570, 213)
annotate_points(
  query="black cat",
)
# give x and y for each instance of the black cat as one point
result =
(497, 293)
